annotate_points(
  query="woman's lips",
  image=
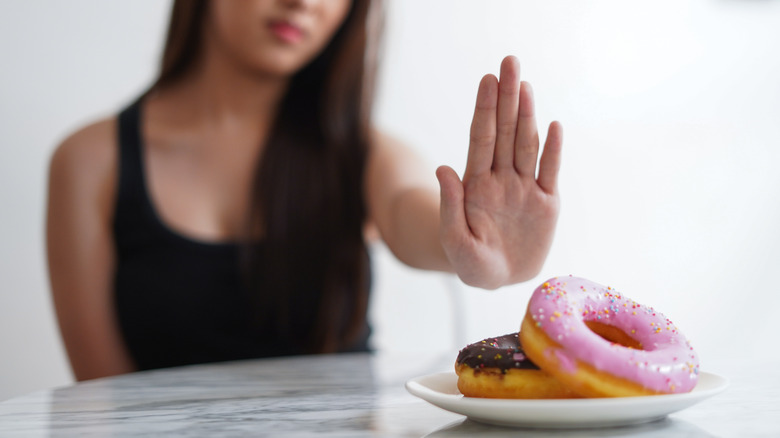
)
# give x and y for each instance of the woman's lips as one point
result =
(286, 31)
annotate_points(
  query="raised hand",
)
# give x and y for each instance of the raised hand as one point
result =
(497, 224)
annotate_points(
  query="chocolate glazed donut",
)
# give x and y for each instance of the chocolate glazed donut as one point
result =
(498, 368)
(503, 353)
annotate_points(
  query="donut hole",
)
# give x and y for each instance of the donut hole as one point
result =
(613, 334)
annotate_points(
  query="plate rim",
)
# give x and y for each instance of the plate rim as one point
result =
(459, 404)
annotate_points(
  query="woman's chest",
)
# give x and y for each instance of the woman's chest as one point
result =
(202, 188)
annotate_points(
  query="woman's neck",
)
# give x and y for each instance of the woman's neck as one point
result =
(219, 92)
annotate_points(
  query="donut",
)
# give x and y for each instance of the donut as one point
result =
(599, 343)
(498, 368)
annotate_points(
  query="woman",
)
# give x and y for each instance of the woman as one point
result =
(224, 214)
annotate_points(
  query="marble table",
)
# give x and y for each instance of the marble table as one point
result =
(349, 395)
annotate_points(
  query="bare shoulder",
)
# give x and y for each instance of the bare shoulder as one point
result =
(85, 162)
(384, 143)
(92, 146)
(396, 163)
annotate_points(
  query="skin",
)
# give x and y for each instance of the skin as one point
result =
(498, 223)
(203, 134)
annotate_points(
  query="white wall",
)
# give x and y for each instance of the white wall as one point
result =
(63, 64)
(669, 187)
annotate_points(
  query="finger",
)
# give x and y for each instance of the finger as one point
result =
(483, 128)
(453, 212)
(551, 158)
(506, 115)
(526, 142)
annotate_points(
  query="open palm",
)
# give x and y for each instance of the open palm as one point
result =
(497, 224)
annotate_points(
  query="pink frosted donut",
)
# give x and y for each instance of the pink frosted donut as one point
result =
(601, 344)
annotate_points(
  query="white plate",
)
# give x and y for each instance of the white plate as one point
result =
(441, 390)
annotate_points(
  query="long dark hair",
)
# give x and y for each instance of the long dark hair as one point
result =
(309, 276)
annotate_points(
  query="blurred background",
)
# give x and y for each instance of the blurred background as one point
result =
(671, 112)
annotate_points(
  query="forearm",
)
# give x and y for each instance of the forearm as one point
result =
(413, 234)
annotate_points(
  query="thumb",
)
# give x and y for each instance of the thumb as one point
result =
(453, 212)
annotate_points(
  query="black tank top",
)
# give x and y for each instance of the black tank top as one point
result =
(179, 301)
